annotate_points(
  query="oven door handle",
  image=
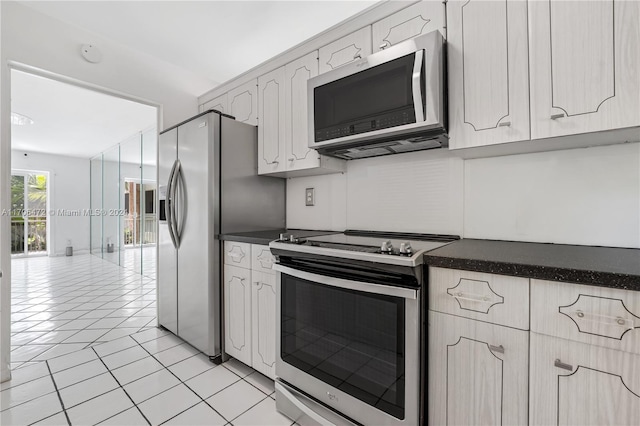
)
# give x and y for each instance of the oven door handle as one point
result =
(387, 290)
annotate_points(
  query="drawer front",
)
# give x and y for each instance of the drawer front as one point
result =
(595, 315)
(261, 259)
(237, 254)
(497, 299)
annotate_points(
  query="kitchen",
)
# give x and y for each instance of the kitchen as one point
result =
(514, 170)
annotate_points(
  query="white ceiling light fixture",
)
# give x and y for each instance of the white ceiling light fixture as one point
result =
(20, 120)
(91, 53)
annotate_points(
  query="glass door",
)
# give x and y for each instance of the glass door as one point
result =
(29, 213)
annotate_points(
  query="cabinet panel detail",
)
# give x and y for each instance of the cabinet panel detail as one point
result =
(299, 151)
(270, 121)
(265, 300)
(600, 316)
(486, 103)
(465, 385)
(243, 102)
(591, 414)
(582, 56)
(474, 295)
(237, 314)
(404, 30)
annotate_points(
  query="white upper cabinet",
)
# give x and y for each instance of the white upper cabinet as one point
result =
(585, 63)
(345, 50)
(272, 128)
(488, 72)
(243, 102)
(420, 18)
(298, 153)
(219, 104)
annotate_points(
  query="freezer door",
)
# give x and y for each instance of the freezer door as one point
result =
(167, 254)
(198, 270)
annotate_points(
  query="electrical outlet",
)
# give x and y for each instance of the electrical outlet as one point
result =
(309, 197)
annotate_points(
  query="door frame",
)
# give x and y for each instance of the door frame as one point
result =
(5, 184)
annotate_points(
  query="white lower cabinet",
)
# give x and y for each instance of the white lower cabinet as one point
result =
(250, 309)
(478, 372)
(263, 320)
(575, 383)
(237, 313)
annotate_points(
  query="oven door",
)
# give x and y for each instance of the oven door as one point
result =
(352, 345)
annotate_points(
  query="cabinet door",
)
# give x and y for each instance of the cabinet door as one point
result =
(585, 63)
(478, 372)
(237, 313)
(243, 103)
(220, 104)
(420, 18)
(263, 307)
(345, 50)
(577, 384)
(299, 155)
(488, 72)
(271, 131)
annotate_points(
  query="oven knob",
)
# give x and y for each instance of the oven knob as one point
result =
(405, 248)
(284, 237)
(386, 247)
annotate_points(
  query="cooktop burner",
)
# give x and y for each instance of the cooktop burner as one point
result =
(383, 247)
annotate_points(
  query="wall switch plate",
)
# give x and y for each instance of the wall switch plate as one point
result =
(309, 197)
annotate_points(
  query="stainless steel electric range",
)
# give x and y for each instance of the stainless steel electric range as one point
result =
(351, 333)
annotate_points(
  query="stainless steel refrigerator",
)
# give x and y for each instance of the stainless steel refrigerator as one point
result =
(208, 185)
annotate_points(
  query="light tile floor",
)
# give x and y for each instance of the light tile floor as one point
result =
(64, 304)
(148, 378)
(85, 351)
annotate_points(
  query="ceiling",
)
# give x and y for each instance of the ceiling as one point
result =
(215, 39)
(70, 120)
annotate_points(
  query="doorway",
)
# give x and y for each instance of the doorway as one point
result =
(29, 212)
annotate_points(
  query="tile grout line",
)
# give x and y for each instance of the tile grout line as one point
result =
(123, 389)
(55, 385)
(181, 382)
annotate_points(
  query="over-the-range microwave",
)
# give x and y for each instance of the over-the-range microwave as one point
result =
(390, 102)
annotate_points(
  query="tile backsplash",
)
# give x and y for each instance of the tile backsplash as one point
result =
(588, 196)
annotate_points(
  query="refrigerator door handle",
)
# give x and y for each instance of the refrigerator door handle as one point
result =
(176, 222)
(168, 206)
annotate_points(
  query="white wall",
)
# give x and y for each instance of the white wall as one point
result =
(43, 42)
(588, 196)
(581, 196)
(69, 190)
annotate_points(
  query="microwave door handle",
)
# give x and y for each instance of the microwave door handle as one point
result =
(417, 87)
(387, 290)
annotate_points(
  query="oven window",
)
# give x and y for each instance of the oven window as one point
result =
(353, 341)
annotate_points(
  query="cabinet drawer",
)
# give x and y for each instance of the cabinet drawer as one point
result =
(497, 299)
(237, 254)
(595, 315)
(262, 259)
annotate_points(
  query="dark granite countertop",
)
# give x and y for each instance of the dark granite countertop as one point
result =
(265, 237)
(600, 266)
